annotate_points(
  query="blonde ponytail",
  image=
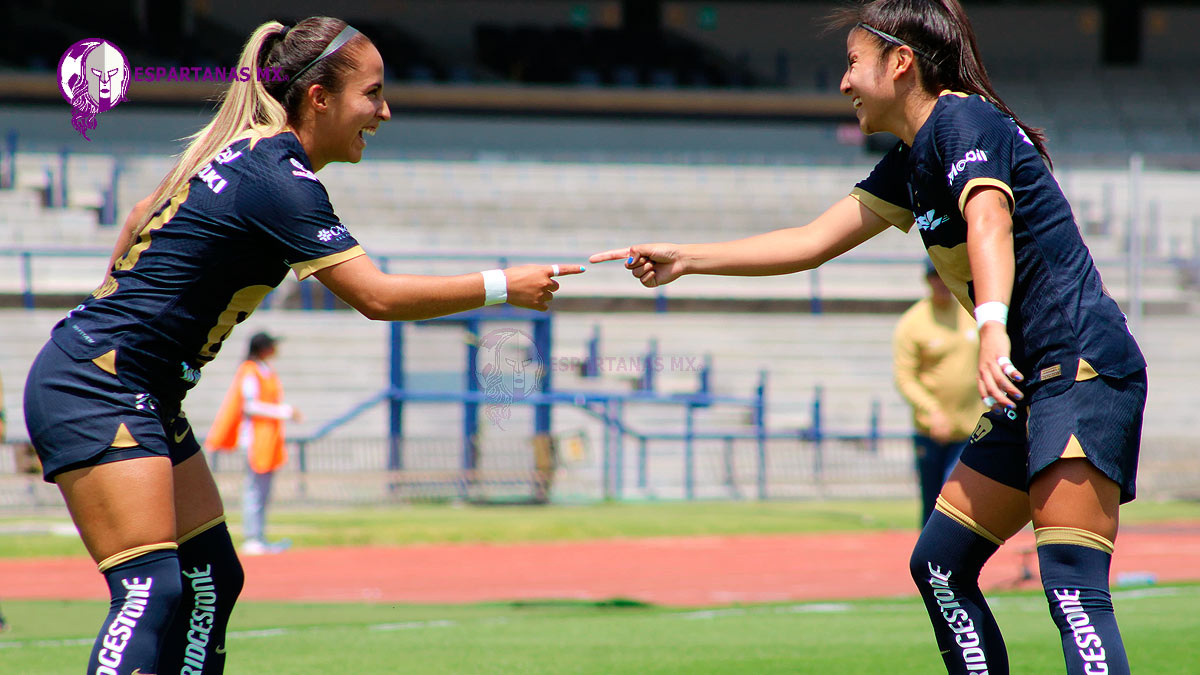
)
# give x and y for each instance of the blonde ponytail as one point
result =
(246, 111)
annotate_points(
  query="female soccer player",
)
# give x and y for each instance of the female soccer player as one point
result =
(1063, 378)
(241, 208)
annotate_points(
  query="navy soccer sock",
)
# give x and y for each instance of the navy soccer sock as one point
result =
(212, 579)
(1075, 565)
(144, 586)
(945, 564)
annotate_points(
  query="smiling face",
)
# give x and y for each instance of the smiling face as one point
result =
(868, 81)
(343, 117)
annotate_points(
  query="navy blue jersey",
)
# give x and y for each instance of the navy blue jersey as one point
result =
(204, 262)
(1059, 312)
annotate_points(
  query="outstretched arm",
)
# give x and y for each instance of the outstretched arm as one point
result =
(843, 226)
(409, 297)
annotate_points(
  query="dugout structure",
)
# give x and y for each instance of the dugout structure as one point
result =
(505, 366)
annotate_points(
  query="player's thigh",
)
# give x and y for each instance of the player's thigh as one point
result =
(197, 500)
(990, 482)
(119, 505)
(1074, 493)
(998, 508)
(1084, 447)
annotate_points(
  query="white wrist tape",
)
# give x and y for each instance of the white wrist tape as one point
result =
(991, 311)
(495, 287)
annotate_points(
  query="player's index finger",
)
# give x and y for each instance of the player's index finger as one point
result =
(615, 254)
(564, 270)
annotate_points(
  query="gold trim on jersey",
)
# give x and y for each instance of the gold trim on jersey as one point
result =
(130, 258)
(107, 362)
(308, 268)
(131, 553)
(955, 270)
(984, 182)
(1073, 450)
(241, 305)
(123, 439)
(203, 528)
(1086, 371)
(896, 215)
(960, 94)
(966, 521)
(1071, 535)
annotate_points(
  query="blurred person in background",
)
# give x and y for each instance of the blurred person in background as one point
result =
(251, 419)
(935, 349)
(1058, 447)
(240, 209)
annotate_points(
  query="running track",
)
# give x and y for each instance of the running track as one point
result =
(673, 571)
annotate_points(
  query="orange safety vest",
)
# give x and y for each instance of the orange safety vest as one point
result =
(267, 451)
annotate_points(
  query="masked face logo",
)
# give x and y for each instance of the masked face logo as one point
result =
(93, 76)
(509, 368)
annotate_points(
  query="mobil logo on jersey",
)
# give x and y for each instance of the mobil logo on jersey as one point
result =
(975, 155)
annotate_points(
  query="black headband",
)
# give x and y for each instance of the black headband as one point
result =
(887, 37)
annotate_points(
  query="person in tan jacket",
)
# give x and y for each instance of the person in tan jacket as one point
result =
(935, 349)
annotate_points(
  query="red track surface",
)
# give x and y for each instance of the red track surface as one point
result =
(677, 571)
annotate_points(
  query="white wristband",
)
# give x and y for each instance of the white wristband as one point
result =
(495, 287)
(991, 311)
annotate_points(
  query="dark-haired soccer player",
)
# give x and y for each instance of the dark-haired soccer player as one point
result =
(1064, 379)
(241, 209)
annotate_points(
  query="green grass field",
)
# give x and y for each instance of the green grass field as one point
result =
(44, 535)
(890, 635)
(880, 636)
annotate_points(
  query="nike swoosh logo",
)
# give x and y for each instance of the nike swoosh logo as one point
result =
(220, 650)
(179, 436)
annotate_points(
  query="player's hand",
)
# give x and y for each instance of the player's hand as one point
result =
(653, 264)
(533, 286)
(998, 377)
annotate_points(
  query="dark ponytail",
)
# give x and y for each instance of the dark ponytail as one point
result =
(940, 34)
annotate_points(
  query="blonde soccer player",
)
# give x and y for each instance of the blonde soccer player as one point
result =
(241, 208)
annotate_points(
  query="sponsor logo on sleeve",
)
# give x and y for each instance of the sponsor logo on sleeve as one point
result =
(333, 233)
(975, 155)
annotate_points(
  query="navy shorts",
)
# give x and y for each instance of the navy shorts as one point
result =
(1103, 414)
(80, 415)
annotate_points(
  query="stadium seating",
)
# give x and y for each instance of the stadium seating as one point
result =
(326, 372)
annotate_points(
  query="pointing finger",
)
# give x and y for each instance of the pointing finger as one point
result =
(614, 254)
(564, 270)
